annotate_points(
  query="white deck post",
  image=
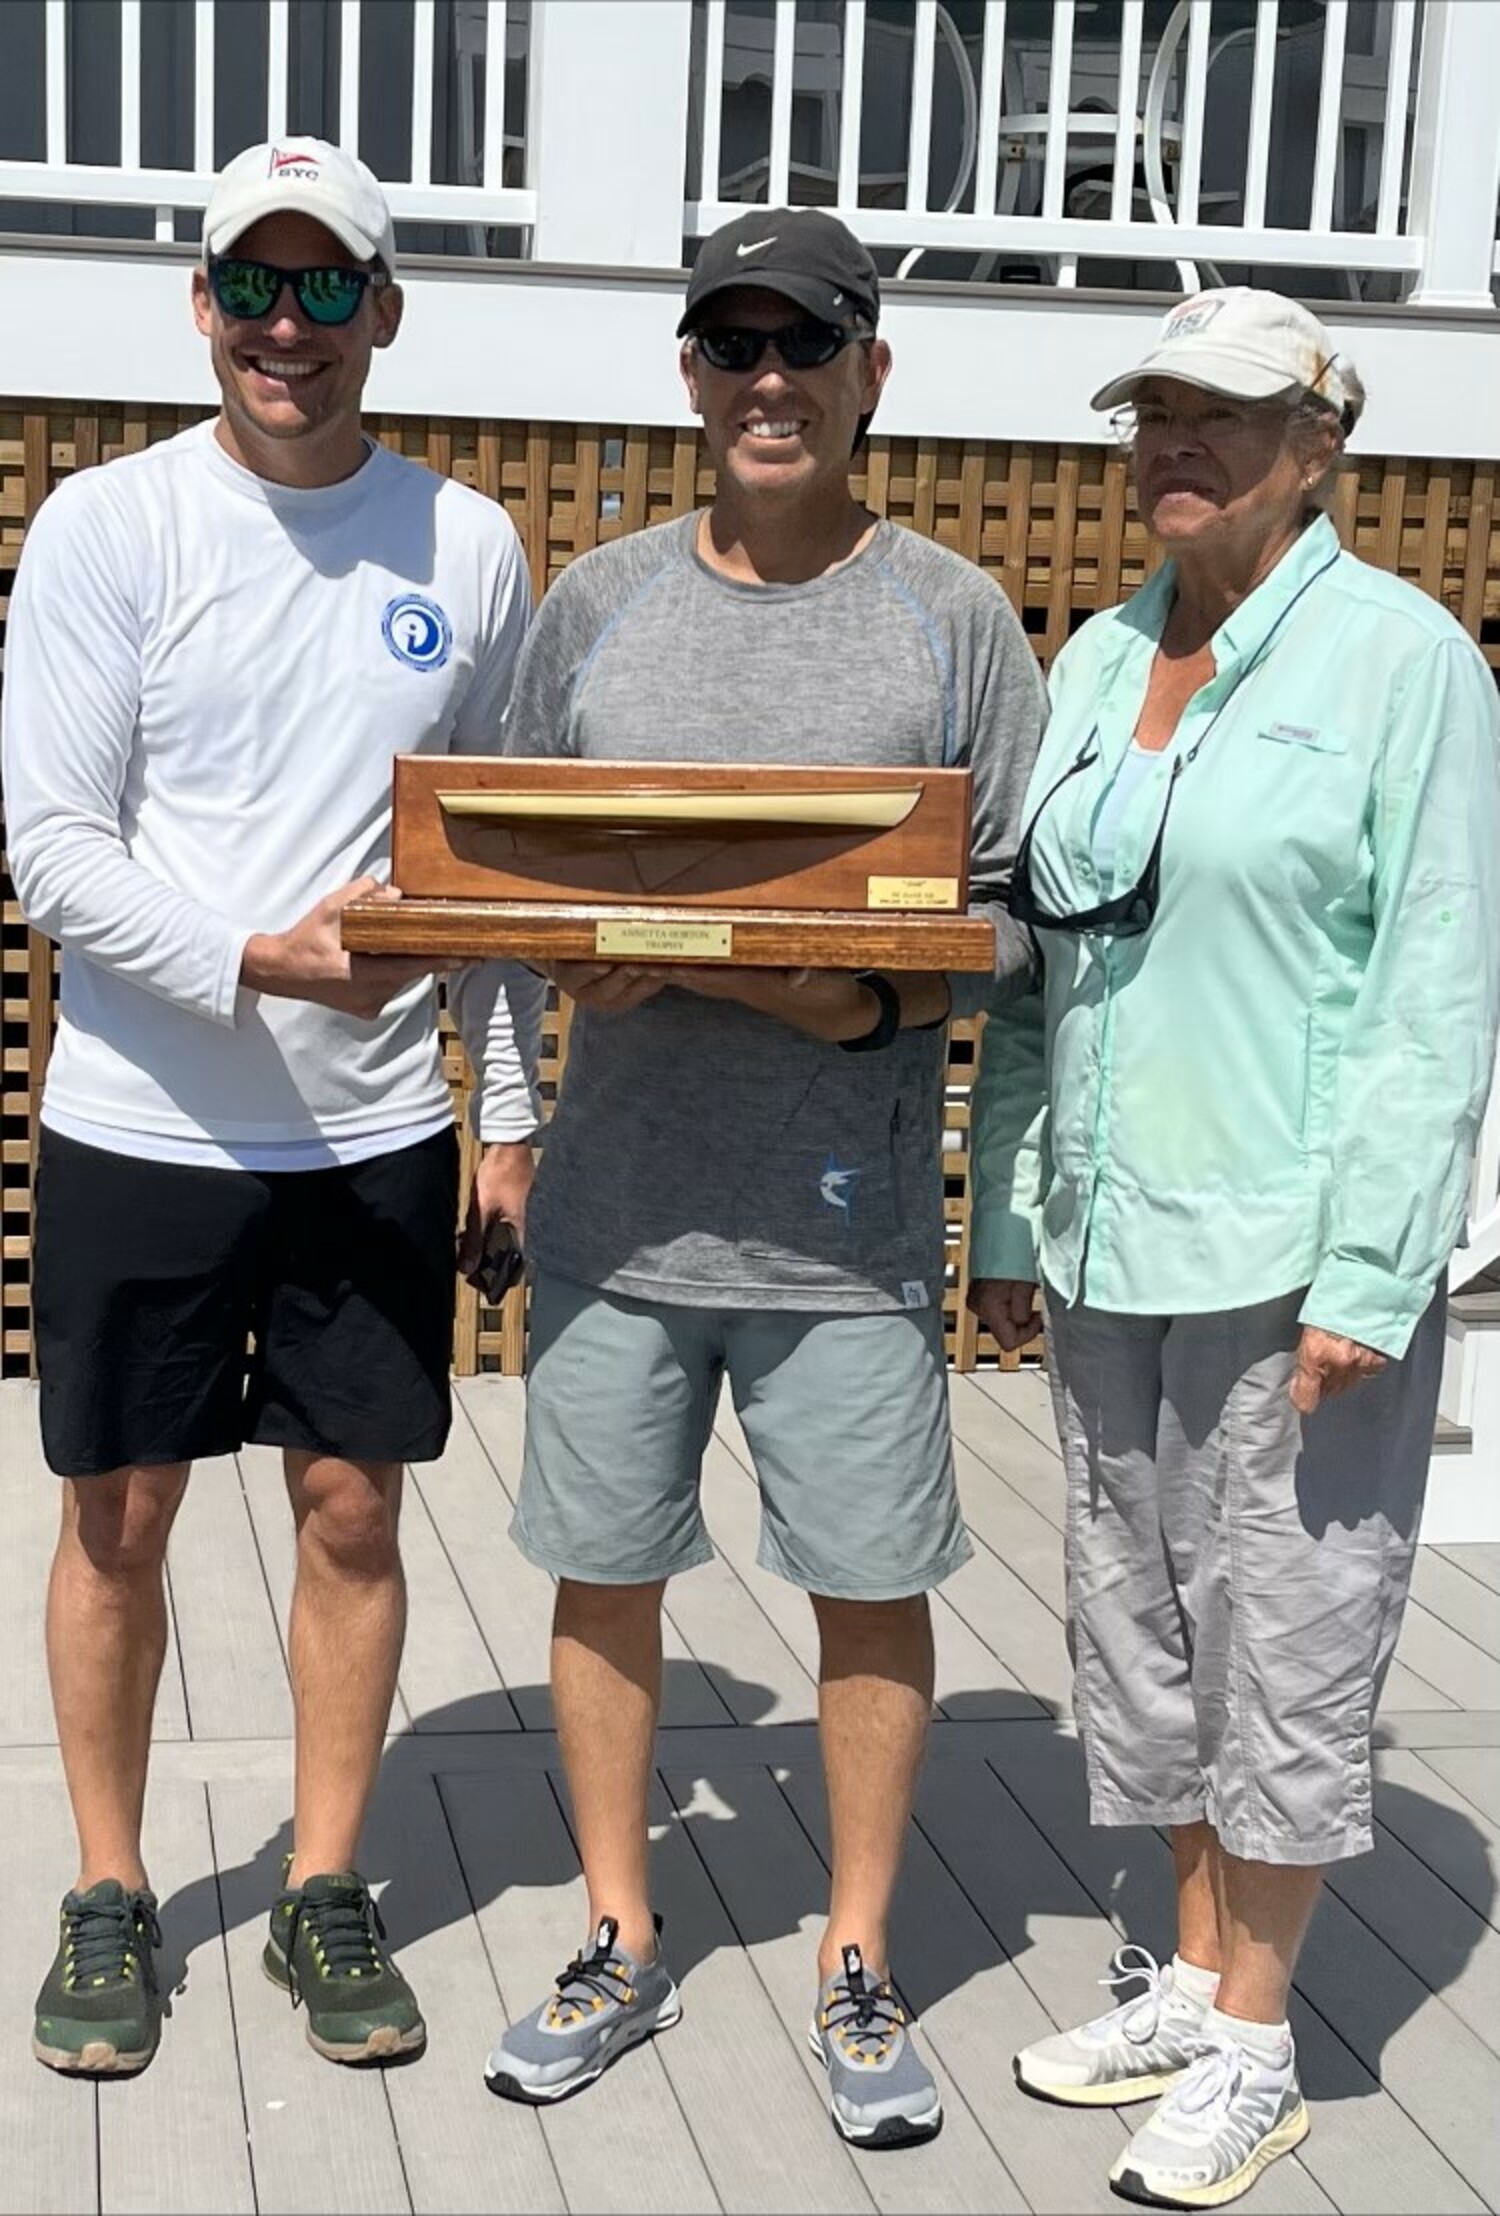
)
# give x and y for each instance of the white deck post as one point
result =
(1455, 170)
(607, 131)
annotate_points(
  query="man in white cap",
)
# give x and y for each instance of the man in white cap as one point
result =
(216, 646)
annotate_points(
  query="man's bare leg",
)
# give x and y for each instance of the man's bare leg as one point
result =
(606, 1690)
(106, 1640)
(347, 1626)
(874, 1701)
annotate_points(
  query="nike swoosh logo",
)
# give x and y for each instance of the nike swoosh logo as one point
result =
(758, 247)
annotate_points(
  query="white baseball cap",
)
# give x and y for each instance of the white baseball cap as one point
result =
(301, 176)
(1241, 341)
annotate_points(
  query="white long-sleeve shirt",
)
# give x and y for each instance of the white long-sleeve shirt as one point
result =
(207, 677)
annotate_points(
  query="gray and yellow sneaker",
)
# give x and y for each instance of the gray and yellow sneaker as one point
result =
(1135, 2052)
(99, 2011)
(604, 2003)
(1207, 2141)
(326, 1948)
(880, 2090)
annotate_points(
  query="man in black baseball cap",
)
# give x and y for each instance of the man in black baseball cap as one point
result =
(803, 256)
(807, 256)
(742, 1181)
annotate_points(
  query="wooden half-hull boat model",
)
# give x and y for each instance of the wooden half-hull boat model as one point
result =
(559, 860)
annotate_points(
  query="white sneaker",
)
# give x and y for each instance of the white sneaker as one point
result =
(1140, 2049)
(1209, 2139)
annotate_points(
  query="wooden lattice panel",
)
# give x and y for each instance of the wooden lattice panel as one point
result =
(1053, 525)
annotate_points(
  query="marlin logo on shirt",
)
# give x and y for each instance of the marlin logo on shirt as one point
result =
(834, 1186)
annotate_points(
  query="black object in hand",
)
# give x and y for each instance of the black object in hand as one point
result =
(500, 1266)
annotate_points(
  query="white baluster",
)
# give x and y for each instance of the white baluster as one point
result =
(1262, 87)
(493, 171)
(783, 65)
(991, 99)
(1059, 93)
(713, 99)
(276, 69)
(919, 145)
(1330, 108)
(851, 103)
(57, 83)
(421, 93)
(349, 28)
(1122, 184)
(203, 87)
(1403, 23)
(1190, 172)
(130, 84)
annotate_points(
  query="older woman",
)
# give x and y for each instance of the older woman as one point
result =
(1232, 1137)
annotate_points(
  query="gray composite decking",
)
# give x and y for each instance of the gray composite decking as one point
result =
(1009, 1910)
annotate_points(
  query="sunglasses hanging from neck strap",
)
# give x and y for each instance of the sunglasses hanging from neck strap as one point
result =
(1128, 914)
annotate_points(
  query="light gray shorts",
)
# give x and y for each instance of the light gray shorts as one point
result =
(1236, 1573)
(846, 1416)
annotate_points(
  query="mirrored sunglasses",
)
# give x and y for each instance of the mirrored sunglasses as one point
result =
(249, 290)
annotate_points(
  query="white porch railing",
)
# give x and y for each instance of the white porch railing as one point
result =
(79, 73)
(1269, 143)
(1285, 136)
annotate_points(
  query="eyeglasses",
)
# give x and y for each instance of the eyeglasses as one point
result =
(805, 345)
(1127, 914)
(248, 291)
(1217, 425)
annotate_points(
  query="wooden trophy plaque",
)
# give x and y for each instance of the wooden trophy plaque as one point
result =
(568, 861)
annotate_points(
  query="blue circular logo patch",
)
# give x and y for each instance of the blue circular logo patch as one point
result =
(417, 631)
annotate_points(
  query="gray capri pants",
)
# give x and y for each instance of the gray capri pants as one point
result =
(1236, 1573)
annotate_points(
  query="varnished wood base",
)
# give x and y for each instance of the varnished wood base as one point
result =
(755, 938)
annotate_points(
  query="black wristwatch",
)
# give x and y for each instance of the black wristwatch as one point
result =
(886, 1024)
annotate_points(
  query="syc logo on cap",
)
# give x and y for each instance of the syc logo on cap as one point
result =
(417, 631)
(295, 162)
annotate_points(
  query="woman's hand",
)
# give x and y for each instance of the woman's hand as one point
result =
(1328, 1365)
(1006, 1307)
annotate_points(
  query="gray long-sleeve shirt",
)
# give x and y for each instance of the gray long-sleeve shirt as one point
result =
(701, 1154)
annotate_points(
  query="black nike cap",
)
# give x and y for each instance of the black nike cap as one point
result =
(802, 252)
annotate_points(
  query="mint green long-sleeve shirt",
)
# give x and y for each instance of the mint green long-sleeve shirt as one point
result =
(1280, 1083)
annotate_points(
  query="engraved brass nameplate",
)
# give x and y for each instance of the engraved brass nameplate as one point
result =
(666, 942)
(913, 892)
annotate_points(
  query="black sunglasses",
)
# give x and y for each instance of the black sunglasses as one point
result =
(1127, 914)
(248, 291)
(805, 345)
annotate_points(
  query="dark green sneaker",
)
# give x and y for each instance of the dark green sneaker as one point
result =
(326, 1948)
(98, 2013)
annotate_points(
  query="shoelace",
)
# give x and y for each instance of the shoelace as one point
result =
(344, 1925)
(1140, 2015)
(104, 1940)
(1212, 2082)
(590, 1980)
(866, 2018)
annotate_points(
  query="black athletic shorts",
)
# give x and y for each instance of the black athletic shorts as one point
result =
(150, 1279)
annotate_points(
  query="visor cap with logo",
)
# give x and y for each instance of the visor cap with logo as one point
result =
(302, 176)
(1241, 341)
(810, 257)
